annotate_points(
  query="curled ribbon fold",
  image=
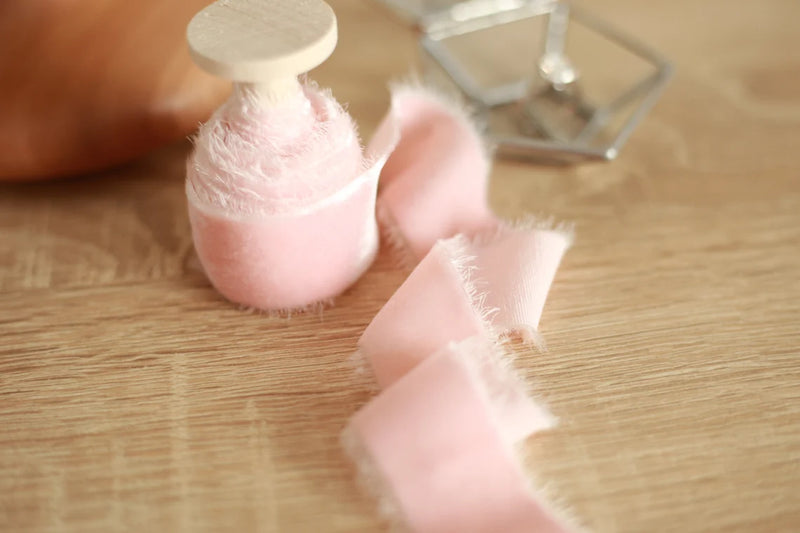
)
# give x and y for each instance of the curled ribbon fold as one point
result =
(431, 442)
(434, 184)
(486, 286)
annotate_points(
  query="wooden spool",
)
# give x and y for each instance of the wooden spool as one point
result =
(264, 44)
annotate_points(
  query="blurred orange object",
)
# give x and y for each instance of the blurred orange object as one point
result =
(90, 84)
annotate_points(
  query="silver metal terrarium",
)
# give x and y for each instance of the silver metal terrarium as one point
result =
(549, 80)
(417, 11)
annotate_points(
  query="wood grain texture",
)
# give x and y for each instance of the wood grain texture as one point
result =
(132, 397)
(262, 41)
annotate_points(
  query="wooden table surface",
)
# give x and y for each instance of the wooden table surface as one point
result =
(134, 398)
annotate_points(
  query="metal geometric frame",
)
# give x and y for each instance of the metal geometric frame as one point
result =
(474, 15)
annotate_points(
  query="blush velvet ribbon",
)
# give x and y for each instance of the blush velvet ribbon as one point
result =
(282, 200)
(284, 208)
(436, 445)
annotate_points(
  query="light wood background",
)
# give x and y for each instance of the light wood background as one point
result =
(133, 398)
(88, 85)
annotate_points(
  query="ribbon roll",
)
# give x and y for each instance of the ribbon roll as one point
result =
(282, 201)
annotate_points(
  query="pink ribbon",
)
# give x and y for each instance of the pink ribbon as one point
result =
(490, 285)
(282, 201)
(434, 184)
(431, 442)
(283, 213)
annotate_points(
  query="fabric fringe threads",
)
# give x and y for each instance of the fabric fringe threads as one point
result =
(282, 202)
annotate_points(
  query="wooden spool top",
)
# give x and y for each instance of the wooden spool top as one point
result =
(262, 41)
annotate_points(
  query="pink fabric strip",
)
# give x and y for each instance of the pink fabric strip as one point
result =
(435, 182)
(485, 286)
(438, 438)
(433, 439)
(436, 305)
